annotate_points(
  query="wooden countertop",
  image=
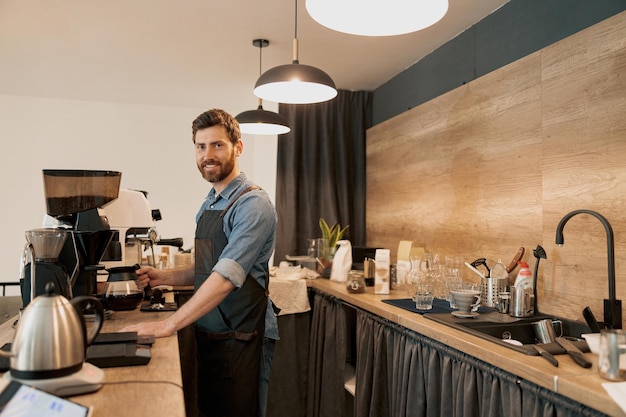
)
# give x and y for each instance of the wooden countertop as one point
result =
(569, 379)
(154, 389)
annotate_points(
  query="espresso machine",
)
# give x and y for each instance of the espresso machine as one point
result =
(134, 219)
(73, 200)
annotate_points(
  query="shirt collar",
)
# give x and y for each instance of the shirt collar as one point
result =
(229, 190)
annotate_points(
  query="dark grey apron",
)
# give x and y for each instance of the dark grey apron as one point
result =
(230, 337)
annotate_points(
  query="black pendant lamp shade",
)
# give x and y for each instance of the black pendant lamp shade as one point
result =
(260, 121)
(295, 83)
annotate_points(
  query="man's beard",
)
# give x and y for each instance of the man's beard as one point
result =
(223, 169)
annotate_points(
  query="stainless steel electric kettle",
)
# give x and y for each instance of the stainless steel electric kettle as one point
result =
(52, 337)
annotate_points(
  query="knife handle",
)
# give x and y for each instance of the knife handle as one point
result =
(580, 359)
(548, 356)
(518, 257)
(593, 324)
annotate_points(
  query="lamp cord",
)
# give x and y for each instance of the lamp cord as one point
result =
(260, 56)
(295, 33)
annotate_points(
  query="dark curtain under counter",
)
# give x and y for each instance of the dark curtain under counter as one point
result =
(401, 373)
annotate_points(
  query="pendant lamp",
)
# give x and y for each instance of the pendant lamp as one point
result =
(295, 83)
(260, 121)
(377, 17)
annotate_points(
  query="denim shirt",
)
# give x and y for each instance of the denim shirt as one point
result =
(250, 227)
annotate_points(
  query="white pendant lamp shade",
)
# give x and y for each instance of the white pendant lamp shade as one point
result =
(260, 121)
(295, 83)
(377, 17)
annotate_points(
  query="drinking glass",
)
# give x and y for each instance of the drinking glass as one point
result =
(424, 296)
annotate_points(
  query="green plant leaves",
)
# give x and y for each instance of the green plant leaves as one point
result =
(332, 233)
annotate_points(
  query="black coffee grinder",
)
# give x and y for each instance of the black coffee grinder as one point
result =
(74, 198)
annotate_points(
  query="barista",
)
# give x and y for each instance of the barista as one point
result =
(235, 235)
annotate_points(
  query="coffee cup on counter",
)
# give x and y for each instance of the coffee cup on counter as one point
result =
(466, 299)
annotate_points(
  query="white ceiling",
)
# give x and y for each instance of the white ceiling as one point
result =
(193, 53)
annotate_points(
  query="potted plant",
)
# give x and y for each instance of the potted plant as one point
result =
(330, 236)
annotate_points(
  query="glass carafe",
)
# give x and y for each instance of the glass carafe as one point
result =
(419, 284)
(435, 269)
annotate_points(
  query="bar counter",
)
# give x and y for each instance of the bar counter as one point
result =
(154, 389)
(569, 379)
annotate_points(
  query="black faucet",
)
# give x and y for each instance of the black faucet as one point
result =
(612, 306)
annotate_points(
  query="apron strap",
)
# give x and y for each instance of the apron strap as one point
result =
(247, 190)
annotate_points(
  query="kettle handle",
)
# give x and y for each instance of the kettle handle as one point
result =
(85, 301)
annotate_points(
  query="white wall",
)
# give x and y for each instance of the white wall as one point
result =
(150, 145)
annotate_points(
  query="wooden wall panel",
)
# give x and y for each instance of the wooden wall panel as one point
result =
(496, 163)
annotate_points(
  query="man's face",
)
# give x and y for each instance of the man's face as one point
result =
(216, 155)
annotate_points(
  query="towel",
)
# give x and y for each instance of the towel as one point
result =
(289, 295)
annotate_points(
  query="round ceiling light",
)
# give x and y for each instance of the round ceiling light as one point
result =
(377, 17)
(295, 83)
(262, 122)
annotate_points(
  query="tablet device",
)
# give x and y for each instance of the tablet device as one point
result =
(17, 399)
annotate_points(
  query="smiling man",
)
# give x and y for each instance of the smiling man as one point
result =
(235, 233)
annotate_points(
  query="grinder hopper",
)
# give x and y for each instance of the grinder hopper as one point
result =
(74, 198)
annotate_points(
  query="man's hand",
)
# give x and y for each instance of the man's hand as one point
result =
(157, 328)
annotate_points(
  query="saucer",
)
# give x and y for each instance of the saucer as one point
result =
(463, 315)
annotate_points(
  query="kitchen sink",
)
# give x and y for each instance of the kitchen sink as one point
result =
(513, 333)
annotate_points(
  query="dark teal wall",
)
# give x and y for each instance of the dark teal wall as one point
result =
(519, 28)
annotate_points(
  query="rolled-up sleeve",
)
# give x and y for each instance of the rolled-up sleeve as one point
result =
(250, 227)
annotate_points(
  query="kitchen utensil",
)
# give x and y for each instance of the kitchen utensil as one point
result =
(51, 340)
(539, 253)
(47, 244)
(483, 262)
(518, 257)
(544, 330)
(474, 270)
(593, 324)
(499, 271)
(494, 284)
(574, 352)
(522, 301)
(489, 290)
(546, 355)
(504, 301)
(121, 292)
